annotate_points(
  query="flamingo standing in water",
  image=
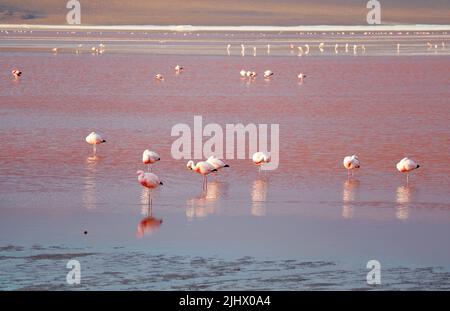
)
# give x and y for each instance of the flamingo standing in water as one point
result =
(306, 49)
(178, 69)
(268, 74)
(16, 73)
(321, 45)
(159, 77)
(94, 139)
(149, 181)
(150, 157)
(203, 168)
(407, 165)
(243, 73)
(216, 162)
(260, 158)
(350, 163)
(301, 76)
(251, 74)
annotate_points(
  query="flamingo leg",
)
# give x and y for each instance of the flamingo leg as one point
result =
(95, 149)
(407, 178)
(348, 174)
(150, 201)
(206, 182)
(148, 167)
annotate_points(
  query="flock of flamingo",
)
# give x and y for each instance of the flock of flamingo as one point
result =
(213, 164)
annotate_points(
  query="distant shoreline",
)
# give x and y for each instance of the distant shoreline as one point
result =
(315, 28)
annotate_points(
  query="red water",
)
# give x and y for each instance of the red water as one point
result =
(380, 108)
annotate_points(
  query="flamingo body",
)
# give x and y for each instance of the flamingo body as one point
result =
(260, 158)
(216, 162)
(150, 157)
(95, 139)
(16, 73)
(178, 68)
(351, 162)
(268, 74)
(406, 165)
(148, 180)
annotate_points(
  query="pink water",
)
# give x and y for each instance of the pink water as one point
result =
(381, 108)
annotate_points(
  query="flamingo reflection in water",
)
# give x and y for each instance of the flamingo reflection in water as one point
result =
(90, 182)
(207, 203)
(149, 224)
(403, 199)
(259, 197)
(348, 197)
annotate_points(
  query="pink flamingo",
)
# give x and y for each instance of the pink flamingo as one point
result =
(259, 158)
(407, 165)
(203, 168)
(94, 139)
(16, 73)
(178, 69)
(350, 163)
(150, 157)
(149, 181)
(216, 162)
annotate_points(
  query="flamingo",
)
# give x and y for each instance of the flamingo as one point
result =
(55, 50)
(259, 158)
(94, 139)
(250, 74)
(268, 74)
(321, 45)
(16, 73)
(407, 165)
(306, 49)
(336, 48)
(203, 168)
(149, 181)
(243, 73)
(350, 163)
(216, 162)
(178, 68)
(150, 157)
(159, 77)
(301, 76)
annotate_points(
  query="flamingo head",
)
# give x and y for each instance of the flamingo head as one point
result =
(140, 172)
(190, 165)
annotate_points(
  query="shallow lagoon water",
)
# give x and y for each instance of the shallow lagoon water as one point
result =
(302, 226)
